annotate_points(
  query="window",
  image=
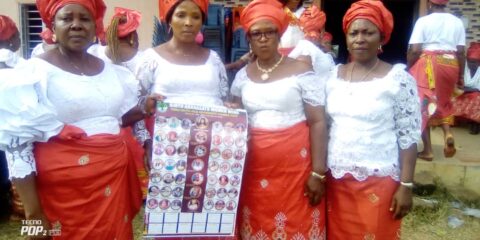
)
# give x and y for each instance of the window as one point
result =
(32, 27)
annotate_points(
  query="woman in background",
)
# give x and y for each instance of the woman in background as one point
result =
(306, 26)
(375, 125)
(9, 44)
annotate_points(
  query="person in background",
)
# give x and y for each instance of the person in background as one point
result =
(9, 44)
(436, 58)
(374, 114)
(283, 191)
(122, 49)
(122, 39)
(61, 128)
(326, 44)
(306, 27)
(180, 70)
(467, 105)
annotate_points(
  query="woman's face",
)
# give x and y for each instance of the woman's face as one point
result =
(363, 40)
(186, 21)
(264, 39)
(74, 27)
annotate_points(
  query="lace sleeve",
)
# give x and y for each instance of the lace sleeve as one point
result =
(407, 111)
(20, 159)
(222, 76)
(145, 74)
(313, 88)
(238, 82)
(140, 132)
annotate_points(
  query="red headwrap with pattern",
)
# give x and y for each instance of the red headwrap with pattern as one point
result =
(271, 10)
(375, 12)
(473, 52)
(48, 9)
(129, 20)
(7, 28)
(165, 6)
(440, 2)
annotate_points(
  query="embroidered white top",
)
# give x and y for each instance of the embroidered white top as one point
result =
(369, 122)
(278, 104)
(472, 82)
(41, 98)
(204, 84)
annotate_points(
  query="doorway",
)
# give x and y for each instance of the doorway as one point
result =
(404, 14)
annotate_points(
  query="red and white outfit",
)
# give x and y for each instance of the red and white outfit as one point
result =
(370, 122)
(272, 204)
(436, 71)
(66, 128)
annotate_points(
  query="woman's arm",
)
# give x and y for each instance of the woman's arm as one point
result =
(402, 199)
(315, 186)
(413, 54)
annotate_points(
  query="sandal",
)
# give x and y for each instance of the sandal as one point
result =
(449, 149)
(428, 159)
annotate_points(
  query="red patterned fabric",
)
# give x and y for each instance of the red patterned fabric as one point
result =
(48, 9)
(436, 73)
(360, 209)
(271, 10)
(165, 6)
(7, 28)
(375, 12)
(272, 201)
(130, 20)
(88, 186)
(467, 106)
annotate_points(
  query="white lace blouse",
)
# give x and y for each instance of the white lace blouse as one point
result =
(204, 84)
(278, 104)
(369, 122)
(40, 98)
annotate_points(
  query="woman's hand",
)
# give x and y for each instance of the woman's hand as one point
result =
(147, 158)
(151, 103)
(314, 190)
(401, 202)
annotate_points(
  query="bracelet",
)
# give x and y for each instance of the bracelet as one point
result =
(407, 184)
(321, 177)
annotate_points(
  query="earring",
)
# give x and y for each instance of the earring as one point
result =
(94, 39)
(131, 41)
(380, 48)
(10, 45)
(54, 38)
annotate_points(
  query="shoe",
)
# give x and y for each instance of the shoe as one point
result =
(428, 159)
(449, 150)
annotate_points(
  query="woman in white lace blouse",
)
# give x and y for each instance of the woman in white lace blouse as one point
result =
(180, 70)
(282, 193)
(375, 125)
(61, 121)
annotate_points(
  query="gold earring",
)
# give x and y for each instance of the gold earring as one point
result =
(54, 38)
(95, 39)
(380, 48)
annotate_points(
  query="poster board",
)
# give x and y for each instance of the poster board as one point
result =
(198, 156)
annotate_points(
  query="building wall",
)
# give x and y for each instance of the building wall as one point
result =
(469, 10)
(148, 8)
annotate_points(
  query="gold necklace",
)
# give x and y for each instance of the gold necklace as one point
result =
(364, 76)
(265, 72)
